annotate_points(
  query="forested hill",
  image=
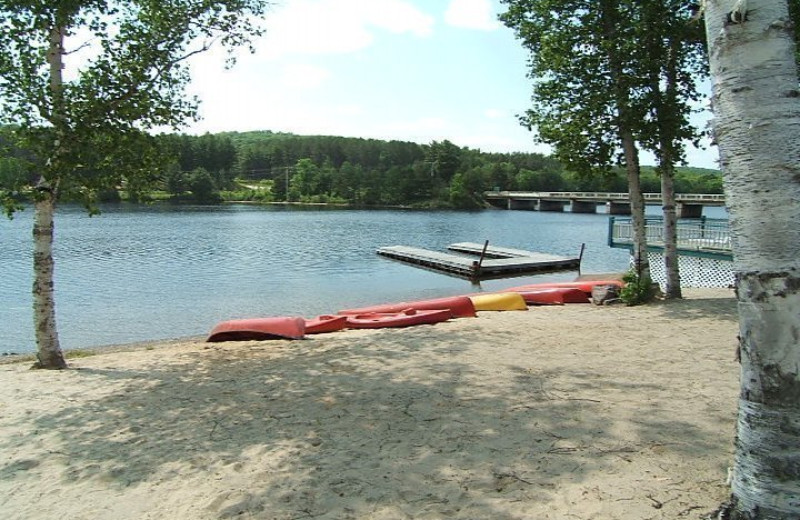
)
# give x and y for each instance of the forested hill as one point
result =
(375, 172)
(269, 166)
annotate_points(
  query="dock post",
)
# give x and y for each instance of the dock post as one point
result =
(476, 266)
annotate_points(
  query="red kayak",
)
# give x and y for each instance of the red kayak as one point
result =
(459, 307)
(325, 323)
(258, 329)
(405, 318)
(555, 296)
(585, 286)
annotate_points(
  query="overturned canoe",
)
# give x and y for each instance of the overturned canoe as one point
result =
(505, 301)
(258, 329)
(555, 296)
(585, 285)
(459, 307)
(325, 323)
(405, 318)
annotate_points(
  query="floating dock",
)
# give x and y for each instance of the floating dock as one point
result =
(497, 252)
(495, 262)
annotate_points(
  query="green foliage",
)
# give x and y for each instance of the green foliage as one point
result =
(396, 183)
(15, 175)
(444, 158)
(175, 181)
(466, 190)
(637, 290)
(573, 92)
(13, 178)
(87, 132)
(603, 67)
(201, 184)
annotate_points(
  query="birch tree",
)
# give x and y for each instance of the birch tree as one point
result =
(672, 61)
(611, 77)
(583, 91)
(82, 80)
(756, 107)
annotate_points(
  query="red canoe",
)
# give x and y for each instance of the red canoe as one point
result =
(258, 329)
(585, 285)
(405, 318)
(555, 296)
(325, 323)
(459, 307)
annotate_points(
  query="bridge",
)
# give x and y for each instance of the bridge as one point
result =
(689, 205)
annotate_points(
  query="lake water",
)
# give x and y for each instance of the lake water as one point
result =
(141, 273)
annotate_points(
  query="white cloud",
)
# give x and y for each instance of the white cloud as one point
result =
(471, 14)
(338, 26)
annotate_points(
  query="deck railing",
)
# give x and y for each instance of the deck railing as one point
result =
(703, 236)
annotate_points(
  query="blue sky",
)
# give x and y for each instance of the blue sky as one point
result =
(411, 70)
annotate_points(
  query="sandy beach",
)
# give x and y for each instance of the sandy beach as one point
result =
(573, 412)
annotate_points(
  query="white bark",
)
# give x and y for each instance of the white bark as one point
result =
(757, 123)
(48, 348)
(44, 308)
(640, 258)
(672, 287)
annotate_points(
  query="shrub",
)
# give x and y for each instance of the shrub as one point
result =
(638, 289)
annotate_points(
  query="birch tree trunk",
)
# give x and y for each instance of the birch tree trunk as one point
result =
(640, 259)
(48, 348)
(672, 289)
(757, 124)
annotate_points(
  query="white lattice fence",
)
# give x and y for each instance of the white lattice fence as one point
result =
(695, 271)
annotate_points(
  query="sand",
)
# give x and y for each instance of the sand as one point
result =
(580, 411)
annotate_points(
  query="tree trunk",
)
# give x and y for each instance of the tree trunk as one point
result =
(668, 137)
(610, 18)
(672, 289)
(44, 308)
(48, 349)
(757, 117)
(640, 261)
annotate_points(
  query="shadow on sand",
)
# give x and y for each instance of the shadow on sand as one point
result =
(387, 424)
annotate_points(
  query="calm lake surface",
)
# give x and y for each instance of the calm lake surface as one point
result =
(141, 273)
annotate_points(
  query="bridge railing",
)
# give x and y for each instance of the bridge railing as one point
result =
(711, 236)
(708, 198)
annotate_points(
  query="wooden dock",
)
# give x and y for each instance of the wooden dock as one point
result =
(498, 262)
(473, 248)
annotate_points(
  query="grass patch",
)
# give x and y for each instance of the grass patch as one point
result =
(77, 354)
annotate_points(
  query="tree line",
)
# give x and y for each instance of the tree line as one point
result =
(271, 167)
(375, 172)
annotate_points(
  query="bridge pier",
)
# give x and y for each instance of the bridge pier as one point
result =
(551, 205)
(584, 206)
(524, 204)
(619, 208)
(685, 210)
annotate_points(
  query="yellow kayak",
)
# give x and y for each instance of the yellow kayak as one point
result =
(507, 301)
